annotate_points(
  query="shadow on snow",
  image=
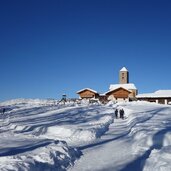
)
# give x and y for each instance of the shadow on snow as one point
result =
(138, 163)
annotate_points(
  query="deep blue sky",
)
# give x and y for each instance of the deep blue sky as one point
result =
(52, 47)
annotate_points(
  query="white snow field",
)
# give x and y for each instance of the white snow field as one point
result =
(41, 135)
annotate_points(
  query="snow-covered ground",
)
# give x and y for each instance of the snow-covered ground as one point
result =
(44, 135)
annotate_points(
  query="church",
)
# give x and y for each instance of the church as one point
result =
(123, 91)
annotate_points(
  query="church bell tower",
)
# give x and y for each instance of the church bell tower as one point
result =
(123, 76)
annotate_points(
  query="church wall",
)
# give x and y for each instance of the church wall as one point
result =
(133, 93)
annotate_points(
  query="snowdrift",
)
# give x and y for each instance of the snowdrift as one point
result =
(35, 133)
(45, 155)
(84, 133)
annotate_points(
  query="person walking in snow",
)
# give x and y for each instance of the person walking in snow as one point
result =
(3, 111)
(116, 113)
(122, 113)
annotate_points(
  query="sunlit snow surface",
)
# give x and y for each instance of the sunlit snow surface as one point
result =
(43, 135)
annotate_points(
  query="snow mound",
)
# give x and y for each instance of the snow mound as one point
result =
(85, 133)
(159, 160)
(55, 156)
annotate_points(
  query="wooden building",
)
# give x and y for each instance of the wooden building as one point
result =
(119, 94)
(130, 87)
(160, 96)
(88, 93)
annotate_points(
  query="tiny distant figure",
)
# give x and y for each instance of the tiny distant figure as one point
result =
(3, 110)
(122, 113)
(116, 113)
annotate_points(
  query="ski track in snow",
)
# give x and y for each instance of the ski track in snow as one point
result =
(38, 135)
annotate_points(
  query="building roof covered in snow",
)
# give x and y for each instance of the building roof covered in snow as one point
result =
(87, 89)
(129, 86)
(156, 94)
(119, 88)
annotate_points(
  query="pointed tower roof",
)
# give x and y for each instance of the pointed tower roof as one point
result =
(124, 69)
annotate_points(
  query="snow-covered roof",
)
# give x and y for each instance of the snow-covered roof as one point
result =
(116, 89)
(129, 86)
(123, 69)
(159, 93)
(86, 89)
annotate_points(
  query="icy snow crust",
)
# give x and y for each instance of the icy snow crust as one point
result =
(41, 135)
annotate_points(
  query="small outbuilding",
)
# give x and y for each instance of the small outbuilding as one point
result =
(88, 93)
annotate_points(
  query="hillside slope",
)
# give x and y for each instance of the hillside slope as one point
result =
(40, 135)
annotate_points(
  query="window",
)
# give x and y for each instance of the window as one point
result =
(123, 76)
